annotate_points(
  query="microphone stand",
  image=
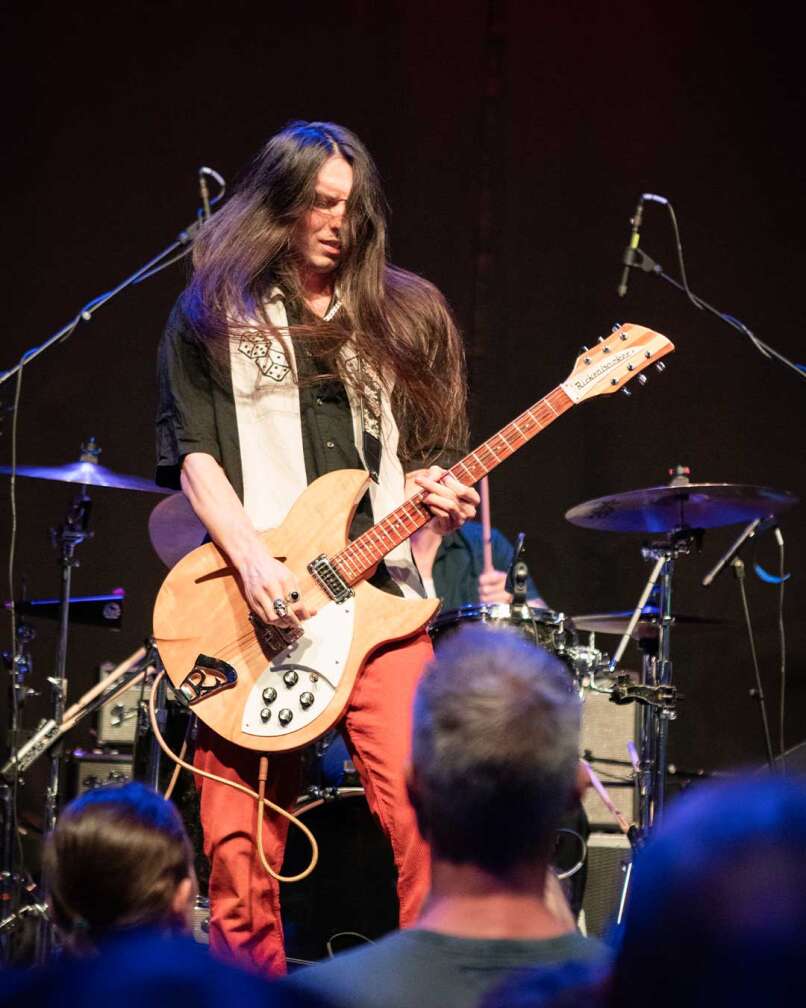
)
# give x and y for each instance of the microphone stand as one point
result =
(183, 241)
(640, 260)
(67, 538)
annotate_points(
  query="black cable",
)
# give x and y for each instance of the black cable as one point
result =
(11, 828)
(165, 265)
(679, 245)
(782, 638)
(738, 567)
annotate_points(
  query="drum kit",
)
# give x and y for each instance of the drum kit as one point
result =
(673, 514)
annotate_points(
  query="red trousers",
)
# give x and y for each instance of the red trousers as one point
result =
(245, 921)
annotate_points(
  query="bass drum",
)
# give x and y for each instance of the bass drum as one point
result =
(350, 898)
(544, 627)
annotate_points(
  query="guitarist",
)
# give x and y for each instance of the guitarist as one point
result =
(296, 350)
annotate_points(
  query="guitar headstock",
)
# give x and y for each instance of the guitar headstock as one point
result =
(608, 366)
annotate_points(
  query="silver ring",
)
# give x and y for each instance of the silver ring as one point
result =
(292, 596)
(280, 608)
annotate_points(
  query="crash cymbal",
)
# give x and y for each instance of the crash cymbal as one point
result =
(688, 505)
(88, 474)
(646, 627)
(174, 529)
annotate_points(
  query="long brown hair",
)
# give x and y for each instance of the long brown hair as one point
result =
(397, 322)
(114, 861)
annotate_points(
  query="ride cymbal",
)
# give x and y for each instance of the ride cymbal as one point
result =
(688, 505)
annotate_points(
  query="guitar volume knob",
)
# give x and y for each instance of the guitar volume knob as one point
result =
(305, 700)
(265, 714)
(290, 678)
(269, 694)
(285, 716)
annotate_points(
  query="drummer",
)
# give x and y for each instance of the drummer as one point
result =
(452, 567)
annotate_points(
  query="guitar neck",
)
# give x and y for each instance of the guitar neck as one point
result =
(365, 552)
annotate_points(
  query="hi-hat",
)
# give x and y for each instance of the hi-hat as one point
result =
(646, 627)
(87, 474)
(687, 506)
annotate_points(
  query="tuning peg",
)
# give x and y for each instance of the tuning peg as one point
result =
(626, 391)
(642, 378)
(601, 339)
(660, 366)
(616, 326)
(583, 349)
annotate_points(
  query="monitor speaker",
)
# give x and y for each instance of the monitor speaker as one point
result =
(608, 858)
(606, 729)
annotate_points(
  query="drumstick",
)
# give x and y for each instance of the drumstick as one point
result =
(486, 535)
(599, 788)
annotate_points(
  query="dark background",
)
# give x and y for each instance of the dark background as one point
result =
(513, 140)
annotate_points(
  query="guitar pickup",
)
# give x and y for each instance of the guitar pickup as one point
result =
(207, 677)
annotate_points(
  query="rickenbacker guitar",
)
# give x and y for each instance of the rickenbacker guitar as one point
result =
(276, 689)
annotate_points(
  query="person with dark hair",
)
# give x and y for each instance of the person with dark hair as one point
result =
(297, 349)
(494, 768)
(452, 567)
(118, 859)
(118, 873)
(717, 911)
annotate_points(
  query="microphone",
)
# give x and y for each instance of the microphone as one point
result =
(205, 194)
(629, 253)
(519, 573)
(755, 528)
(204, 171)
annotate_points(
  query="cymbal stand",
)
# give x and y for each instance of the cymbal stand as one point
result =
(66, 539)
(656, 694)
(12, 881)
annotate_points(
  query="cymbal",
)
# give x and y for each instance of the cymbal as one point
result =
(174, 529)
(646, 627)
(689, 505)
(88, 474)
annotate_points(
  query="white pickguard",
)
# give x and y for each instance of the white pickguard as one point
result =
(318, 658)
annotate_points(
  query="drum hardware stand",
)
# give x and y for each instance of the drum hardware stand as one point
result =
(135, 667)
(66, 539)
(12, 879)
(125, 675)
(656, 694)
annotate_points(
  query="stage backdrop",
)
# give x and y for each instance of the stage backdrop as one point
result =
(513, 140)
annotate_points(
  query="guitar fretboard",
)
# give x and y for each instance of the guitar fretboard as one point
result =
(365, 552)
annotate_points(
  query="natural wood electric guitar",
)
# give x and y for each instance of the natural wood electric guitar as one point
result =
(275, 690)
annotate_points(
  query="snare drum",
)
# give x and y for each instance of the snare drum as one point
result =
(544, 627)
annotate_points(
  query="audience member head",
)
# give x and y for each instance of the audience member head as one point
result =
(495, 750)
(119, 858)
(717, 912)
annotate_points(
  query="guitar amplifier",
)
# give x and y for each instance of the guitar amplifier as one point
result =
(608, 857)
(605, 731)
(117, 720)
(88, 770)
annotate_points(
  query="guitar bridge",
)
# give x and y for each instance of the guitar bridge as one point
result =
(274, 639)
(207, 677)
(329, 579)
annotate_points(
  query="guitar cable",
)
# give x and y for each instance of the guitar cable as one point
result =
(259, 795)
